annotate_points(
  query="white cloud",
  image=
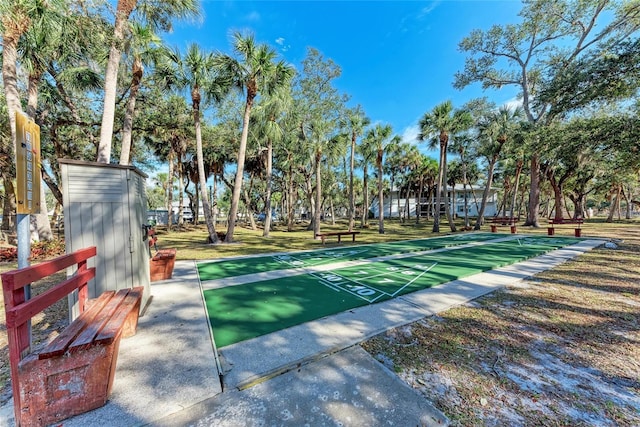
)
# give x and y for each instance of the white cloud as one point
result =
(253, 17)
(283, 46)
(410, 134)
(513, 103)
(428, 9)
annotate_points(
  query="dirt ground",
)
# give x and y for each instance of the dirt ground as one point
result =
(561, 349)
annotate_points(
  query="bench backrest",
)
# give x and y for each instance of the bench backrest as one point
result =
(19, 311)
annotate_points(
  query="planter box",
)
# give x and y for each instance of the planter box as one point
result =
(161, 265)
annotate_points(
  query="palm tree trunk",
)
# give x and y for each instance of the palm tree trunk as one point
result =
(127, 125)
(213, 236)
(534, 193)
(290, 201)
(380, 194)
(318, 207)
(123, 10)
(10, 79)
(452, 225)
(267, 207)
(419, 202)
(485, 194)
(436, 215)
(516, 184)
(237, 185)
(40, 218)
(352, 196)
(365, 197)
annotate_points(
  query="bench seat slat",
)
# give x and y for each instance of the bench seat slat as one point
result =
(86, 337)
(130, 301)
(62, 342)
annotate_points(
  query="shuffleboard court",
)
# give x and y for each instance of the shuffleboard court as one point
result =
(212, 270)
(241, 312)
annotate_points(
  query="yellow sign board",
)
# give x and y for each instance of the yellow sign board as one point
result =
(27, 165)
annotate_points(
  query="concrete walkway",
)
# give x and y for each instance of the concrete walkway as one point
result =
(311, 374)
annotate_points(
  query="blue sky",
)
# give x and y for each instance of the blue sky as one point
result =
(398, 58)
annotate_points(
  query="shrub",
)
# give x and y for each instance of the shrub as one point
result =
(43, 249)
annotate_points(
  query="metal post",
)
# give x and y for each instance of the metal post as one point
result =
(24, 252)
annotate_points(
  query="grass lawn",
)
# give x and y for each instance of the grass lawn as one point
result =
(190, 241)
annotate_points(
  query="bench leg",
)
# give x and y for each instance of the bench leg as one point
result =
(54, 389)
(494, 228)
(578, 232)
(353, 237)
(339, 236)
(550, 231)
(514, 229)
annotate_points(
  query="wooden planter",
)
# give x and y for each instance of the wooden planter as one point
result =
(161, 265)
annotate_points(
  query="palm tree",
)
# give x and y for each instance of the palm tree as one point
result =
(437, 126)
(272, 113)
(255, 72)
(195, 71)
(393, 166)
(368, 152)
(379, 136)
(143, 44)
(157, 15)
(16, 18)
(357, 121)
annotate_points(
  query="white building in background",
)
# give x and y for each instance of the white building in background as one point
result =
(456, 202)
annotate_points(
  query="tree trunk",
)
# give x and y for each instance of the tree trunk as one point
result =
(380, 194)
(452, 225)
(213, 236)
(40, 220)
(10, 79)
(516, 184)
(436, 214)
(485, 194)
(352, 196)
(237, 185)
(267, 204)
(124, 9)
(626, 194)
(169, 199)
(127, 125)
(419, 201)
(318, 207)
(365, 196)
(290, 201)
(534, 193)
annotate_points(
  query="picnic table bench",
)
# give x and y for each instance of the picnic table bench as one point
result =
(323, 236)
(498, 221)
(577, 222)
(74, 372)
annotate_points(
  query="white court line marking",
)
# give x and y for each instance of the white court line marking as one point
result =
(416, 278)
(339, 288)
(368, 286)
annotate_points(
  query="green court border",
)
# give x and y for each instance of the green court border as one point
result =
(246, 311)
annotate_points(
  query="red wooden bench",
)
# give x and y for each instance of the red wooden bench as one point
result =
(323, 236)
(497, 221)
(563, 221)
(74, 372)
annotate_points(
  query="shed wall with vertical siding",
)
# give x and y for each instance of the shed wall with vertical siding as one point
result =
(105, 206)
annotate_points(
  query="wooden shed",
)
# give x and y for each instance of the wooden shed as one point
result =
(105, 206)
